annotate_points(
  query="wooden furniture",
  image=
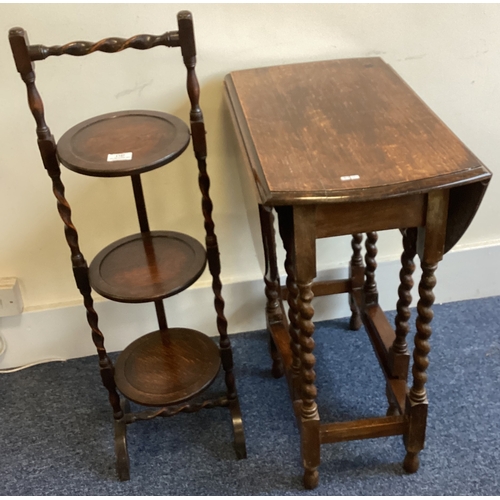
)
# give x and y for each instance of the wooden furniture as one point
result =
(346, 147)
(168, 367)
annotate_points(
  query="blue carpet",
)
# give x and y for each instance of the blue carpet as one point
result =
(56, 434)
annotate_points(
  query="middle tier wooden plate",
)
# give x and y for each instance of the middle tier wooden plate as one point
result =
(167, 366)
(147, 266)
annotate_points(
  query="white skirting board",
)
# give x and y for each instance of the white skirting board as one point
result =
(64, 333)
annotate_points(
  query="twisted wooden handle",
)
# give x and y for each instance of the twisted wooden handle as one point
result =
(108, 45)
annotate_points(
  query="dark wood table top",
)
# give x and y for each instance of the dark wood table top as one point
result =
(342, 130)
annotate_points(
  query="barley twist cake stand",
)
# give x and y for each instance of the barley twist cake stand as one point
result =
(168, 367)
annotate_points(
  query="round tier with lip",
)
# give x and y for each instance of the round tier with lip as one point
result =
(123, 143)
(167, 367)
(147, 266)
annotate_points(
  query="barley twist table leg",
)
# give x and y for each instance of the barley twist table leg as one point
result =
(272, 283)
(272, 296)
(309, 410)
(293, 316)
(286, 233)
(404, 291)
(370, 288)
(399, 356)
(430, 247)
(355, 272)
(418, 396)
(304, 264)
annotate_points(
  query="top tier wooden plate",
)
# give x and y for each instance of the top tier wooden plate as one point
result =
(348, 129)
(150, 138)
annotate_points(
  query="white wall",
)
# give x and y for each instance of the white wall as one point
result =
(449, 54)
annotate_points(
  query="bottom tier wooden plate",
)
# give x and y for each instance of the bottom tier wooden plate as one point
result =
(167, 366)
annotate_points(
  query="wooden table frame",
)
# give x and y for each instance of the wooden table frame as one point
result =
(292, 341)
(298, 126)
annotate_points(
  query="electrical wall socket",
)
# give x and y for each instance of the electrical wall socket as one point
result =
(11, 301)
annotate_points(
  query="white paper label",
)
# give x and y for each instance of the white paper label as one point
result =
(120, 157)
(349, 178)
